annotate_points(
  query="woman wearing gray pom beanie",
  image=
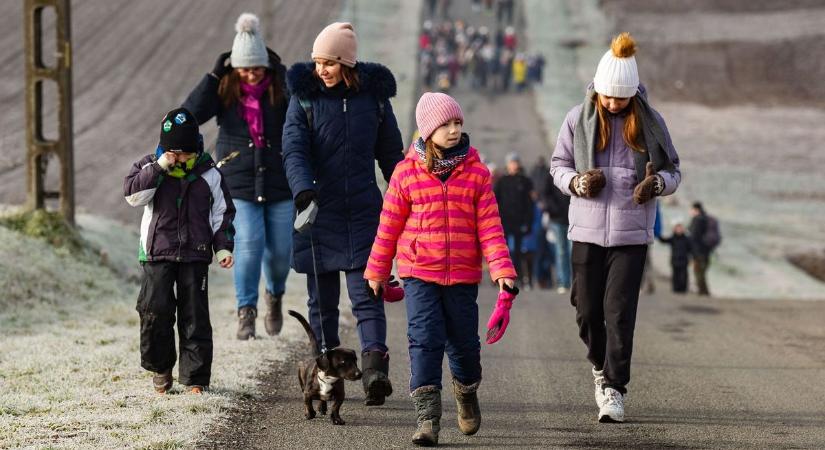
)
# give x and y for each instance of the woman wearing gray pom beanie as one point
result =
(246, 93)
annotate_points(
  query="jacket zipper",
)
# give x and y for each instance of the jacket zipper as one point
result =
(179, 202)
(447, 218)
(609, 165)
(346, 181)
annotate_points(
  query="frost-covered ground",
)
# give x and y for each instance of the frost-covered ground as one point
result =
(753, 162)
(70, 374)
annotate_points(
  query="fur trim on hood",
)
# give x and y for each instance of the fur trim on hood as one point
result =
(374, 78)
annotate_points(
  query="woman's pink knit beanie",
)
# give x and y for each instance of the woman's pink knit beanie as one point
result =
(336, 42)
(433, 110)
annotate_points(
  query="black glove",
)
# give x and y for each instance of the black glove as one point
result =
(303, 199)
(222, 66)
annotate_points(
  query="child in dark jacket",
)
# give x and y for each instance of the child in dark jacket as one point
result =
(680, 254)
(187, 215)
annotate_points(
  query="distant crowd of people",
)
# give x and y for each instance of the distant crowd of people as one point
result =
(451, 52)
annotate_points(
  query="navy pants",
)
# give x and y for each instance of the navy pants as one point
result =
(442, 318)
(369, 314)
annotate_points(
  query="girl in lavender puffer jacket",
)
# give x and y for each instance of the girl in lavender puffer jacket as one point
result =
(613, 156)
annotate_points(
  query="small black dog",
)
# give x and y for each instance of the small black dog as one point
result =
(322, 378)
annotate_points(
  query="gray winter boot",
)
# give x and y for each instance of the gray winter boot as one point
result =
(466, 401)
(427, 401)
(246, 322)
(375, 367)
(274, 319)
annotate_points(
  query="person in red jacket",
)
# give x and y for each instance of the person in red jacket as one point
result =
(439, 218)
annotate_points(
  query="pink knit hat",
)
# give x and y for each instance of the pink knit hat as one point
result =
(433, 110)
(336, 42)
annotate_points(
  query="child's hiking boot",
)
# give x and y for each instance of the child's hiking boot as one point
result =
(195, 389)
(274, 319)
(612, 410)
(246, 322)
(427, 401)
(377, 386)
(469, 412)
(162, 381)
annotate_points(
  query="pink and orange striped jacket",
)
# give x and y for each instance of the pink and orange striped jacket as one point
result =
(440, 230)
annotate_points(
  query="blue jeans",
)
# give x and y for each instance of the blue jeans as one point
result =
(442, 318)
(369, 314)
(263, 241)
(562, 254)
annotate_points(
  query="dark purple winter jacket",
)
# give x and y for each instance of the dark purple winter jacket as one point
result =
(184, 219)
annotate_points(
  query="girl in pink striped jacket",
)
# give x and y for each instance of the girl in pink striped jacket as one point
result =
(439, 217)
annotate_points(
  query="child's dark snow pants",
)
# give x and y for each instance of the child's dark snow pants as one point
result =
(170, 287)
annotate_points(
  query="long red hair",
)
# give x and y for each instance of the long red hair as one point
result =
(632, 125)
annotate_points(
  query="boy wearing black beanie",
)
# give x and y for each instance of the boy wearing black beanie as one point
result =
(187, 217)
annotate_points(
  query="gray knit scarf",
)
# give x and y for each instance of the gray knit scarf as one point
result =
(585, 137)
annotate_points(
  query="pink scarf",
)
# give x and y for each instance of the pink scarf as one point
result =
(251, 111)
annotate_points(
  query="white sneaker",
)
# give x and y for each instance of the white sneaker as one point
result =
(598, 380)
(561, 290)
(613, 408)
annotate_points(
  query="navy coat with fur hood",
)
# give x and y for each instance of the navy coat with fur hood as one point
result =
(336, 159)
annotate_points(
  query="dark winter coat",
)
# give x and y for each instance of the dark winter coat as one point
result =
(680, 249)
(513, 193)
(256, 174)
(556, 203)
(184, 219)
(336, 159)
(697, 228)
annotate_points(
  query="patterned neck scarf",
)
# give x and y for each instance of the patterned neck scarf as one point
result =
(452, 156)
(251, 111)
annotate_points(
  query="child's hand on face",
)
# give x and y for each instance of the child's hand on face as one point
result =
(227, 262)
(167, 160)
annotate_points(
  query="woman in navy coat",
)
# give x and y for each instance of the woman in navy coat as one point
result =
(339, 122)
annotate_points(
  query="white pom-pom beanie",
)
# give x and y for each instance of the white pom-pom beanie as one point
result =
(248, 49)
(617, 75)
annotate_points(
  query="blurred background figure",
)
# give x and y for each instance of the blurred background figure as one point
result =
(680, 252)
(514, 193)
(557, 206)
(705, 237)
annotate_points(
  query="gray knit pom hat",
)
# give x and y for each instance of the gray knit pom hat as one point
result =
(249, 49)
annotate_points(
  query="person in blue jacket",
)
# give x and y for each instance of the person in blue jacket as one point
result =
(340, 122)
(248, 99)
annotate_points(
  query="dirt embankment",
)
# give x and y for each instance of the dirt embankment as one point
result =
(729, 52)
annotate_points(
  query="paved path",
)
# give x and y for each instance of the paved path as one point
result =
(707, 373)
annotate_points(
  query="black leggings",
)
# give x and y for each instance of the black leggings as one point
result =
(605, 292)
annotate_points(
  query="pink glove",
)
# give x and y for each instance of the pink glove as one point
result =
(500, 318)
(393, 292)
(390, 291)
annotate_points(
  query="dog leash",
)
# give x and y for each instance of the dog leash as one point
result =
(317, 291)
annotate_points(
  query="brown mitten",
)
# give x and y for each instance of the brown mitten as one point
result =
(588, 184)
(651, 186)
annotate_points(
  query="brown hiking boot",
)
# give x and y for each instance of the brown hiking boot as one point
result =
(466, 401)
(195, 389)
(274, 319)
(427, 401)
(246, 322)
(162, 381)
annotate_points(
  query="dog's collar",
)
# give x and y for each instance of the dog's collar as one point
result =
(325, 384)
